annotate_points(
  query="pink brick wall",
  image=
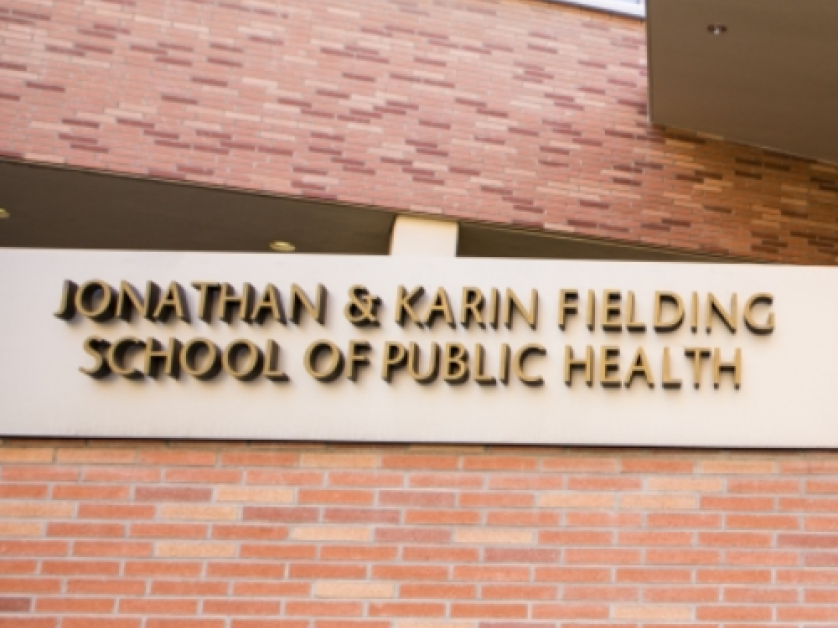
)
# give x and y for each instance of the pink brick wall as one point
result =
(192, 535)
(510, 111)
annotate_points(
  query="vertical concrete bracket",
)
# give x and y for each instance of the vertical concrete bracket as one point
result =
(424, 237)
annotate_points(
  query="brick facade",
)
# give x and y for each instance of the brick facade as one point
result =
(509, 111)
(230, 535)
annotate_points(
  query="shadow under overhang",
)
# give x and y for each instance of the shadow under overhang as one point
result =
(55, 207)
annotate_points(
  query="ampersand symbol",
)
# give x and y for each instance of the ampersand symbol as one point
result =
(361, 309)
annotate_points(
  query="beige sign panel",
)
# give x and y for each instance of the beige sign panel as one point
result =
(224, 346)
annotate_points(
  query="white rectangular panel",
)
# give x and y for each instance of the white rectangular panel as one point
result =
(789, 378)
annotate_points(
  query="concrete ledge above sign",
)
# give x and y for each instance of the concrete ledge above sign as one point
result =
(406, 349)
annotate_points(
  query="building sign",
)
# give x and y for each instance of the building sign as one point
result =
(419, 350)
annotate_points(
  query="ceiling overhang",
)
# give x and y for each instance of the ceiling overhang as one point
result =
(768, 79)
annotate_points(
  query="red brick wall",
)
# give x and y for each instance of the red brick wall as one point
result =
(191, 535)
(509, 111)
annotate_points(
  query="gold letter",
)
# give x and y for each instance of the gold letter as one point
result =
(86, 296)
(667, 380)
(471, 306)
(609, 360)
(531, 315)
(697, 354)
(750, 323)
(154, 353)
(631, 324)
(714, 306)
(269, 304)
(518, 364)
(117, 353)
(356, 357)
(394, 358)
(735, 367)
(253, 366)
(413, 364)
(206, 291)
(189, 359)
(97, 347)
(66, 310)
(172, 302)
(611, 309)
(404, 305)
(586, 363)
(567, 305)
(129, 298)
(668, 297)
(455, 356)
(480, 377)
(316, 311)
(272, 371)
(333, 368)
(227, 299)
(640, 366)
(440, 307)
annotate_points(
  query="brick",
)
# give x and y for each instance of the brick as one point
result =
(441, 554)
(685, 484)
(23, 491)
(733, 613)
(90, 492)
(186, 588)
(439, 591)
(654, 575)
(572, 574)
(500, 463)
(232, 531)
(442, 517)
(122, 549)
(28, 455)
(672, 594)
(337, 571)
(121, 474)
(361, 515)
(365, 478)
(99, 586)
(735, 539)
(746, 576)
(172, 494)
(195, 550)
(484, 609)
(260, 458)
(653, 613)
(671, 556)
(659, 502)
(527, 481)
(354, 590)
(75, 605)
(280, 513)
(490, 573)
(203, 476)
(96, 456)
(232, 607)
(683, 520)
(415, 461)
(21, 528)
(374, 553)
(183, 457)
(406, 609)
(33, 548)
(576, 500)
(323, 608)
(525, 592)
(158, 606)
(80, 567)
(332, 460)
(36, 473)
(41, 510)
(254, 494)
(336, 496)
(565, 611)
(95, 530)
(524, 518)
(580, 465)
(249, 570)
(116, 511)
(729, 467)
(601, 556)
(416, 498)
(168, 569)
(187, 512)
(101, 622)
(493, 535)
(331, 533)
(410, 572)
